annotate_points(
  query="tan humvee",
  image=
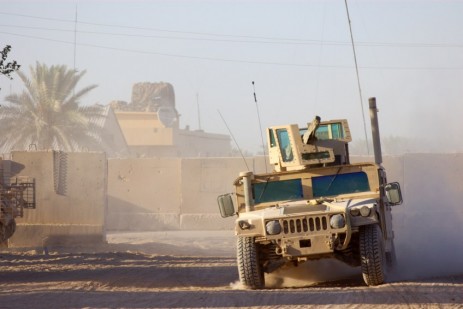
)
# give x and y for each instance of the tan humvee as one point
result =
(315, 205)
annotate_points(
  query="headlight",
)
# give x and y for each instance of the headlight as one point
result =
(337, 222)
(273, 227)
(244, 225)
(365, 211)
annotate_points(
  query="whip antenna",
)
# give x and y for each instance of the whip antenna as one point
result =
(231, 134)
(260, 127)
(358, 78)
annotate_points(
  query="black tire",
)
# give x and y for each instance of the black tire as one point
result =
(10, 228)
(3, 233)
(7, 231)
(372, 255)
(249, 268)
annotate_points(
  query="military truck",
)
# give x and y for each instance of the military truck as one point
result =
(16, 194)
(316, 204)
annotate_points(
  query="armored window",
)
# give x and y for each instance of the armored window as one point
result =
(285, 145)
(333, 185)
(272, 138)
(336, 131)
(327, 131)
(273, 191)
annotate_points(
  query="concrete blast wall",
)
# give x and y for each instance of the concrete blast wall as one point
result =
(171, 194)
(70, 196)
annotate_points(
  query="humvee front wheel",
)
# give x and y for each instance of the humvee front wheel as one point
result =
(249, 268)
(372, 255)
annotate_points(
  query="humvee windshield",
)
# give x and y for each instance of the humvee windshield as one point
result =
(277, 191)
(322, 186)
(332, 185)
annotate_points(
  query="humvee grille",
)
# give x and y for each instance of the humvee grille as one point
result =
(306, 224)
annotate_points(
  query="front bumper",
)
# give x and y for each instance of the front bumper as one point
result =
(299, 235)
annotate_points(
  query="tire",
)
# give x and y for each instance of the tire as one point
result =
(10, 228)
(249, 267)
(372, 255)
(7, 231)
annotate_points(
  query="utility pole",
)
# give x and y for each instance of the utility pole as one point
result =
(199, 113)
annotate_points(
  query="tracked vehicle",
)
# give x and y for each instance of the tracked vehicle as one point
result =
(316, 204)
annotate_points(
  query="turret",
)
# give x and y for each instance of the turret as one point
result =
(321, 143)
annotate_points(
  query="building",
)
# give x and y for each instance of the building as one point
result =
(150, 126)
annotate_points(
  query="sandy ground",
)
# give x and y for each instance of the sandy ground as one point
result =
(196, 270)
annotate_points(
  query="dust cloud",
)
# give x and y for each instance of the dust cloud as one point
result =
(429, 245)
(310, 273)
(429, 225)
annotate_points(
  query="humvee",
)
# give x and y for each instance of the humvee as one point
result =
(316, 204)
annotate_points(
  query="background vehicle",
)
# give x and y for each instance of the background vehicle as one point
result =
(315, 205)
(16, 194)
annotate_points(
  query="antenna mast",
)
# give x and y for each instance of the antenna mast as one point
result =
(260, 127)
(358, 78)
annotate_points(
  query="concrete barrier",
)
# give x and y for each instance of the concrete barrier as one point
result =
(158, 194)
(71, 197)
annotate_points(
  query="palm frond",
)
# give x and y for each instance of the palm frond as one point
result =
(48, 112)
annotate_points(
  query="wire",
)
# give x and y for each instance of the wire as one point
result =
(168, 37)
(302, 65)
(274, 40)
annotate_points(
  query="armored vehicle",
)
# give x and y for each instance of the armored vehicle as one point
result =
(316, 204)
(16, 194)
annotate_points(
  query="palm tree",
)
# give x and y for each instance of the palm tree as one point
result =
(48, 114)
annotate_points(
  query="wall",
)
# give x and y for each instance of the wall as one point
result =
(157, 194)
(70, 196)
(144, 194)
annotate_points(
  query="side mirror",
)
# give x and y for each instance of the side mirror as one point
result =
(227, 209)
(393, 193)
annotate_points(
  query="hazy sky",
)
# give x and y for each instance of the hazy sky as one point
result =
(298, 53)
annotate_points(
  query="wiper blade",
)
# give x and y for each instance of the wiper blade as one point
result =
(334, 178)
(263, 190)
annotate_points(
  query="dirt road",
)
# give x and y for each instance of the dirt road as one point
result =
(178, 271)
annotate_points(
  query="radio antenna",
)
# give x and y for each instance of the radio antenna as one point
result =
(358, 78)
(236, 143)
(260, 127)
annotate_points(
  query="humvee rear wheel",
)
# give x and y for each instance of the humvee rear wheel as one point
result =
(249, 268)
(372, 254)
